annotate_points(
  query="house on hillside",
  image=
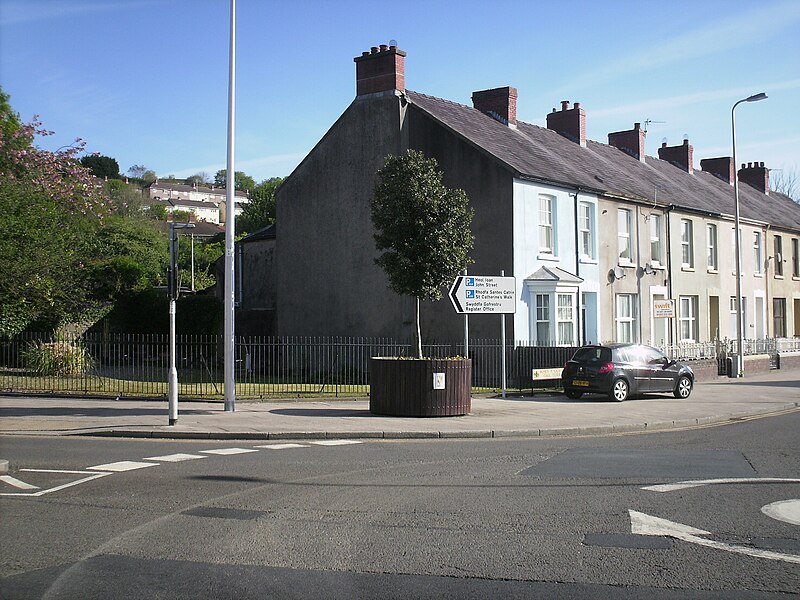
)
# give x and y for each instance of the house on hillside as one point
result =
(594, 233)
(207, 203)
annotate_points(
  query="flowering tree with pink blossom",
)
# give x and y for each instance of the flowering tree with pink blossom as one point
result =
(54, 212)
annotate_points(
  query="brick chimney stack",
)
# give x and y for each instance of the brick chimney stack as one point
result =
(721, 167)
(571, 123)
(382, 69)
(680, 156)
(630, 142)
(499, 103)
(755, 175)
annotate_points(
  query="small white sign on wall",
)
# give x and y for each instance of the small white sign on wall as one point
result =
(438, 381)
(664, 309)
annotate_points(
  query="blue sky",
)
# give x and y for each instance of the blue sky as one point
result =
(145, 81)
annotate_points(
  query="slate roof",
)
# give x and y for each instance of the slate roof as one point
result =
(182, 187)
(540, 154)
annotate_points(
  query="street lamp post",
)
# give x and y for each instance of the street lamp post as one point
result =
(173, 289)
(737, 241)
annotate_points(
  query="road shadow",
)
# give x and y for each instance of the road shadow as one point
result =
(322, 412)
(62, 411)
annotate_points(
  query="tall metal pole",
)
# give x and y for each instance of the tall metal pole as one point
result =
(172, 377)
(230, 342)
(466, 328)
(503, 346)
(737, 242)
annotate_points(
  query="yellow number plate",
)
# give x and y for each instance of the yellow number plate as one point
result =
(580, 383)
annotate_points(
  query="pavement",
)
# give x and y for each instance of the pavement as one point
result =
(531, 415)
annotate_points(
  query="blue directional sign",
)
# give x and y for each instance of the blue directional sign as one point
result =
(477, 294)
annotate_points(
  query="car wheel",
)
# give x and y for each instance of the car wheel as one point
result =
(619, 391)
(573, 394)
(684, 387)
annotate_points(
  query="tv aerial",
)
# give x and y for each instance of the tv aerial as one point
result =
(648, 121)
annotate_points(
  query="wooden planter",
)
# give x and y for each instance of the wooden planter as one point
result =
(420, 388)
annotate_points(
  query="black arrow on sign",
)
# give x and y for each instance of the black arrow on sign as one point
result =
(454, 294)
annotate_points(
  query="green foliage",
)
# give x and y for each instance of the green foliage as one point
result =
(157, 212)
(147, 312)
(241, 181)
(125, 198)
(101, 166)
(206, 254)
(422, 228)
(43, 248)
(129, 254)
(57, 358)
(260, 211)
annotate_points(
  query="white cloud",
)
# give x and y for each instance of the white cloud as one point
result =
(743, 29)
(658, 104)
(16, 13)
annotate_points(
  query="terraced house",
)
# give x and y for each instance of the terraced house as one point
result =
(594, 233)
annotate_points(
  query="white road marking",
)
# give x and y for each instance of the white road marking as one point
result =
(227, 451)
(683, 485)
(174, 457)
(17, 483)
(60, 487)
(123, 465)
(642, 524)
(787, 511)
(336, 442)
(282, 446)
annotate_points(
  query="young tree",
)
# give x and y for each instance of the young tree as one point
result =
(241, 181)
(422, 229)
(101, 166)
(785, 182)
(260, 211)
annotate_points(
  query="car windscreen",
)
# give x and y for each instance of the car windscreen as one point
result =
(592, 354)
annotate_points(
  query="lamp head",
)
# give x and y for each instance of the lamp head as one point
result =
(756, 97)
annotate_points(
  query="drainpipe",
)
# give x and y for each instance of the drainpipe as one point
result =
(668, 210)
(638, 272)
(579, 298)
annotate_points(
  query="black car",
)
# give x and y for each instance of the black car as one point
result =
(622, 370)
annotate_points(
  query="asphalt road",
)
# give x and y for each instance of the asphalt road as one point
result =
(518, 518)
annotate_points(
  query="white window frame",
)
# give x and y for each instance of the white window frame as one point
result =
(586, 230)
(543, 317)
(547, 224)
(624, 245)
(778, 255)
(565, 319)
(687, 244)
(656, 242)
(779, 315)
(626, 318)
(687, 318)
(758, 254)
(711, 247)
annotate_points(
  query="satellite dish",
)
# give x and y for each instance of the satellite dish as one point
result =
(648, 268)
(618, 272)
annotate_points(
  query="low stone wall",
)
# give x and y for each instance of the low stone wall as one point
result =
(758, 363)
(705, 369)
(789, 360)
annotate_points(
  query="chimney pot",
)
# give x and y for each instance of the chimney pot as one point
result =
(755, 175)
(498, 102)
(382, 71)
(630, 142)
(571, 123)
(680, 156)
(664, 145)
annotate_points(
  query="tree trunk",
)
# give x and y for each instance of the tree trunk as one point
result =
(418, 333)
